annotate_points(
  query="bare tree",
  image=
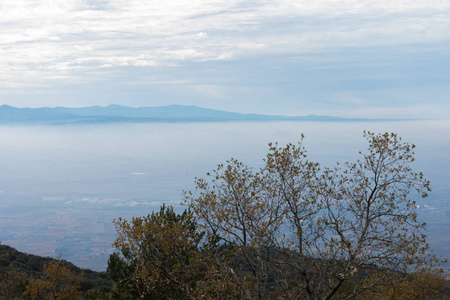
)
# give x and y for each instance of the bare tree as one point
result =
(307, 233)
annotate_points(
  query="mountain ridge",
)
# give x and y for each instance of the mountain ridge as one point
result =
(120, 113)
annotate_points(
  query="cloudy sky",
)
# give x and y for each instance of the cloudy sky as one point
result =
(347, 58)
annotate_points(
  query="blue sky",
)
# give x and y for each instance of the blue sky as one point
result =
(349, 58)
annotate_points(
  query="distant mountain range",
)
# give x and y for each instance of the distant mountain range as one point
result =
(118, 113)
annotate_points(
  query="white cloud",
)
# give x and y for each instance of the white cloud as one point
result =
(210, 91)
(202, 35)
(48, 41)
(348, 98)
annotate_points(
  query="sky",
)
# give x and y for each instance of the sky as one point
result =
(348, 58)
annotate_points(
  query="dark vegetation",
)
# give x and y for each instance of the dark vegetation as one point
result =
(18, 269)
(290, 230)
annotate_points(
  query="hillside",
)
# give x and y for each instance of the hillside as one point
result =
(24, 267)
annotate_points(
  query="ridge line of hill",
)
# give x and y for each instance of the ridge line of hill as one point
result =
(118, 113)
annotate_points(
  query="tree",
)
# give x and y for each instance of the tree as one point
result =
(424, 284)
(319, 234)
(58, 282)
(12, 284)
(161, 256)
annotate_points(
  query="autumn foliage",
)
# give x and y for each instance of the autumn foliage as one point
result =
(289, 230)
(58, 282)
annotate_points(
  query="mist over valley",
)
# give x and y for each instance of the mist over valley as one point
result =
(62, 186)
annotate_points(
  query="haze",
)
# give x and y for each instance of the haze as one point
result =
(61, 186)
